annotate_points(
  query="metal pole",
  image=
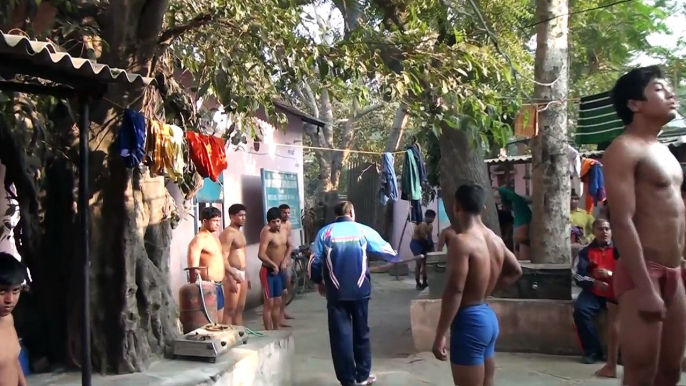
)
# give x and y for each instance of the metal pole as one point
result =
(84, 124)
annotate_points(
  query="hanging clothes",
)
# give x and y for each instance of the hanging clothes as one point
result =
(526, 122)
(594, 182)
(416, 215)
(164, 150)
(130, 143)
(208, 154)
(574, 161)
(410, 185)
(388, 187)
(419, 160)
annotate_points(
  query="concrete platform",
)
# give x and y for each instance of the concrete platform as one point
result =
(526, 325)
(264, 361)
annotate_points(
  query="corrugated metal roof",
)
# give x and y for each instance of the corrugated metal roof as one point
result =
(527, 158)
(304, 116)
(50, 56)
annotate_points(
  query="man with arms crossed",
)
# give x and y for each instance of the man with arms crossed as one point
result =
(12, 277)
(205, 250)
(478, 264)
(286, 266)
(643, 180)
(233, 249)
(273, 245)
(339, 266)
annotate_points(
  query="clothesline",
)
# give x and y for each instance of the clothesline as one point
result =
(327, 149)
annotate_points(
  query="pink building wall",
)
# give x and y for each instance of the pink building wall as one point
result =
(242, 184)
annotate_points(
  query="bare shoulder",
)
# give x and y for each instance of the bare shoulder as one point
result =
(624, 151)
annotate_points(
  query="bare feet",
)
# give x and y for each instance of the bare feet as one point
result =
(607, 371)
(286, 316)
(284, 324)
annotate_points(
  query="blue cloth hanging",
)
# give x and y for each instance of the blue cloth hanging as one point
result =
(388, 188)
(130, 142)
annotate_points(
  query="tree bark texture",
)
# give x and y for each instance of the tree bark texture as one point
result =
(462, 163)
(134, 318)
(550, 230)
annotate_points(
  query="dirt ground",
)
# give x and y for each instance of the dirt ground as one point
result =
(395, 361)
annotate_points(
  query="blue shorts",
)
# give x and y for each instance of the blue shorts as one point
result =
(284, 278)
(220, 295)
(473, 334)
(272, 285)
(421, 247)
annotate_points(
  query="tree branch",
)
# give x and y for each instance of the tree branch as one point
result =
(168, 35)
(358, 115)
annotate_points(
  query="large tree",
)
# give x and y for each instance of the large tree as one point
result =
(236, 51)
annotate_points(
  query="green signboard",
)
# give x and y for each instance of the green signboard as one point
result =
(281, 188)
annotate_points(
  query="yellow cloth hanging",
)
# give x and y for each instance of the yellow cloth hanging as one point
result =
(526, 122)
(164, 150)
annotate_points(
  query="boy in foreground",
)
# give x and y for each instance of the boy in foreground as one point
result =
(478, 264)
(12, 278)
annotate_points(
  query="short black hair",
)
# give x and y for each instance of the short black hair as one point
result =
(430, 213)
(273, 213)
(236, 208)
(12, 272)
(284, 207)
(631, 87)
(600, 221)
(471, 198)
(210, 212)
(343, 208)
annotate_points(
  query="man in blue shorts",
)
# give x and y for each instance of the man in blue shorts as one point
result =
(273, 245)
(422, 243)
(478, 264)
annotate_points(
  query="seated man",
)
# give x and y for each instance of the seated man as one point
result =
(593, 273)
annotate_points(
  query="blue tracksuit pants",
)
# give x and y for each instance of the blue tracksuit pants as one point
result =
(349, 337)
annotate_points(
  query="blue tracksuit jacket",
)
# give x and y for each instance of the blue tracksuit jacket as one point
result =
(340, 259)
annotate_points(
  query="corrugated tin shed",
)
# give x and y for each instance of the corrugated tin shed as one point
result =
(19, 55)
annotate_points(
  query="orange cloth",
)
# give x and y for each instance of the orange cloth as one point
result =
(526, 123)
(208, 154)
(586, 164)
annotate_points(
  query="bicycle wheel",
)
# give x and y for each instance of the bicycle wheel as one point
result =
(292, 287)
(301, 268)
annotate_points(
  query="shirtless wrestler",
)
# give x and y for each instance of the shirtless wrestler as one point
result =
(205, 250)
(478, 264)
(12, 277)
(236, 285)
(286, 266)
(273, 245)
(445, 236)
(643, 180)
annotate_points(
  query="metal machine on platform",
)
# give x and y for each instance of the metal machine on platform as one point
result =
(209, 342)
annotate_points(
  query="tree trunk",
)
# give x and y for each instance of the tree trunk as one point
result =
(462, 163)
(133, 314)
(550, 230)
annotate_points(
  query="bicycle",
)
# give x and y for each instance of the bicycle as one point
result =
(300, 281)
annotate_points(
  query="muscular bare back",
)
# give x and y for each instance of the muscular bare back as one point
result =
(658, 208)
(233, 244)
(485, 254)
(205, 250)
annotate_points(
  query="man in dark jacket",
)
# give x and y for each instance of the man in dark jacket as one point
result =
(593, 273)
(339, 267)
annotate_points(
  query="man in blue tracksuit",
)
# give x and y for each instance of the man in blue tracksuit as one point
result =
(339, 267)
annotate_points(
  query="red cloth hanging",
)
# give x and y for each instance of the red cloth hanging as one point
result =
(208, 154)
